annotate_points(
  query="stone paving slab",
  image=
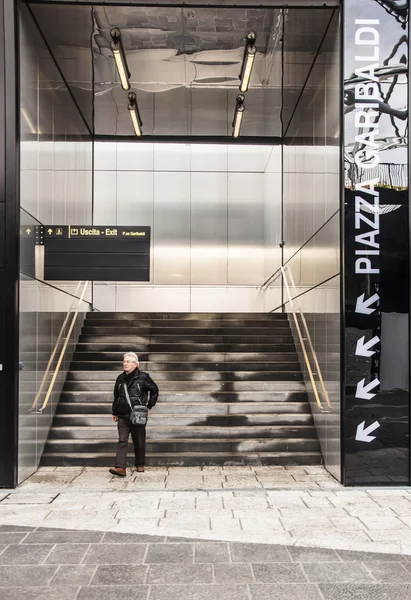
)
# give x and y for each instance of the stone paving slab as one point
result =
(293, 506)
(113, 566)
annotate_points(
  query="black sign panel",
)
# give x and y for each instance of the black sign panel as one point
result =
(376, 398)
(96, 253)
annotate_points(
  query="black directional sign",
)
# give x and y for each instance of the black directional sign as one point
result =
(376, 417)
(96, 253)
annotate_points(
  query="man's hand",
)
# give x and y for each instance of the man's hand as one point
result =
(115, 419)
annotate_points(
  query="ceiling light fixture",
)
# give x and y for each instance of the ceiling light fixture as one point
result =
(238, 115)
(248, 60)
(135, 114)
(120, 58)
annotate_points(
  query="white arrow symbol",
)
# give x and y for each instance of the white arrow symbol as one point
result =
(363, 306)
(362, 434)
(363, 349)
(363, 391)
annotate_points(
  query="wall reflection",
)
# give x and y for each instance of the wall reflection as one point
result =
(215, 217)
(56, 178)
(311, 209)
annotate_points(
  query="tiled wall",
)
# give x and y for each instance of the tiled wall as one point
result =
(213, 212)
(56, 188)
(311, 232)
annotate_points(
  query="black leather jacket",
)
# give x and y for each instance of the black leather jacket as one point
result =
(139, 387)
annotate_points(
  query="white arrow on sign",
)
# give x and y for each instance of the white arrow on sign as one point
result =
(363, 306)
(363, 348)
(363, 391)
(362, 432)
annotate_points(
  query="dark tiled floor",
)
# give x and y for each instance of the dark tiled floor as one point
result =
(46, 564)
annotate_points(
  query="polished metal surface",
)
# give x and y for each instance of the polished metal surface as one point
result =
(184, 63)
(56, 186)
(214, 210)
(311, 229)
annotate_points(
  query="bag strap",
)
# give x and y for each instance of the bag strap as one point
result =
(128, 397)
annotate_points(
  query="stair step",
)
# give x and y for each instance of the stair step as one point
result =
(180, 316)
(68, 424)
(137, 337)
(293, 392)
(187, 445)
(191, 386)
(178, 408)
(188, 358)
(231, 391)
(112, 344)
(98, 372)
(187, 459)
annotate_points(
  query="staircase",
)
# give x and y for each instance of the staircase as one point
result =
(231, 391)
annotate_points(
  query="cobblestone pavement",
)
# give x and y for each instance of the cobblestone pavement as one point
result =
(203, 533)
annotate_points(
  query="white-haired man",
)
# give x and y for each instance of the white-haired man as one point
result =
(141, 390)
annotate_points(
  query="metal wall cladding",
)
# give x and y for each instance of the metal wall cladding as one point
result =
(214, 211)
(321, 308)
(55, 147)
(311, 233)
(56, 187)
(42, 313)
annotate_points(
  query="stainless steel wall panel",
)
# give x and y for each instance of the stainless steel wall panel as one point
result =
(134, 157)
(171, 230)
(153, 299)
(105, 156)
(59, 198)
(311, 232)
(53, 190)
(105, 197)
(274, 162)
(209, 223)
(248, 159)
(246, 228)
(172, 157)
(135, 198)
(272, 222)
(212, 157)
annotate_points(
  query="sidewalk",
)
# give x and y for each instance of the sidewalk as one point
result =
(203, 534)
(298, 506)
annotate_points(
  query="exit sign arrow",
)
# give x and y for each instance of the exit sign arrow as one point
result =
(363, 306)
(363, 347)
(363, 391)
(363, 432)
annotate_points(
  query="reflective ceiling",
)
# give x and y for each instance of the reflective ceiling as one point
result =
(184, 64)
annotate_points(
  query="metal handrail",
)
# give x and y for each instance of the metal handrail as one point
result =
(307, 332)
(63, 350)
(282, 271)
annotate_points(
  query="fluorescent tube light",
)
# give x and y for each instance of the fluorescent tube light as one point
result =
(120, 58)
(248, 61)
(135, 114)
(238, 115)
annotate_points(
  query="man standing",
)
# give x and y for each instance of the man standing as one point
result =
(138, 385)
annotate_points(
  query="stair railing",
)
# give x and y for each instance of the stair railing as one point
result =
(296, 307)
(63, 350)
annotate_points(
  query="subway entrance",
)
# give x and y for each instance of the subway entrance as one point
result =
(222, 190)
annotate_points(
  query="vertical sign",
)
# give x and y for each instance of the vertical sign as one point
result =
(375, 443)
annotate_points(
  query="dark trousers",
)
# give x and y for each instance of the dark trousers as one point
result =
(138, 435)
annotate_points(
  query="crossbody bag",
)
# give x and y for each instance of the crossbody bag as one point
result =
(139, 412)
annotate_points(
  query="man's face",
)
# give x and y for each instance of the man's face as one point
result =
(128, 364)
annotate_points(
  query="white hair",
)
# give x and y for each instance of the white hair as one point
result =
(132, 355)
